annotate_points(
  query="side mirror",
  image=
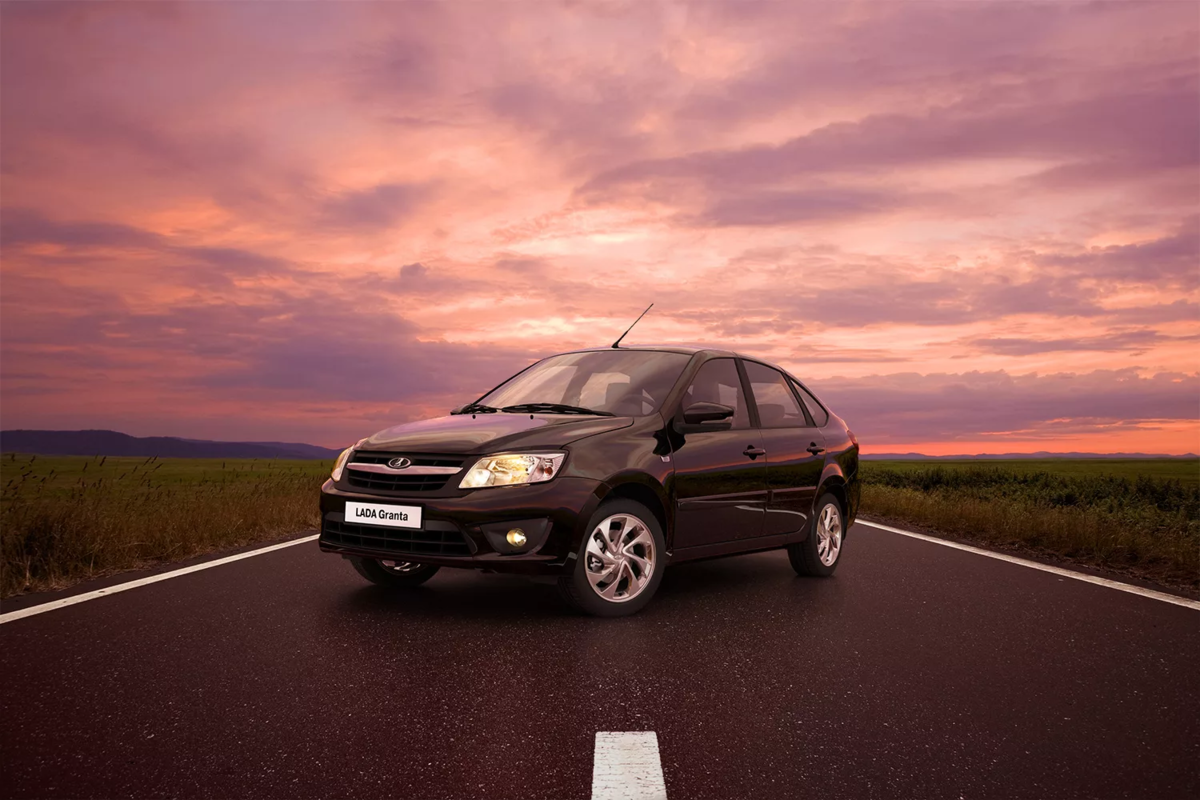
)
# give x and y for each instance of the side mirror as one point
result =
(698, 413)
(459, 409)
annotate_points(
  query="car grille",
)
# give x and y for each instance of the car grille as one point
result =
(400, 482)
(365, 457)
(438, 539)
(396, 483)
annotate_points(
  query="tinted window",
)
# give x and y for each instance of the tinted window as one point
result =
(718, 382)
(819, 414)
(622, 382)
(777, 406)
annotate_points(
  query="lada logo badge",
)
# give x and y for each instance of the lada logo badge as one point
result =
(400, 463)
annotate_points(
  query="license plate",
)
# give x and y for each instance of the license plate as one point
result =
(388, 516)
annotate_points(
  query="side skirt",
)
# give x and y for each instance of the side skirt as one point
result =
(737, 547)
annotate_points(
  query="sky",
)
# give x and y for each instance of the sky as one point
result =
(969, 227)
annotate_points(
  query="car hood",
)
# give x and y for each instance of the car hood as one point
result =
(490, 433)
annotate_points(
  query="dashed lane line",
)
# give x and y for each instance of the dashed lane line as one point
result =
(627, 767)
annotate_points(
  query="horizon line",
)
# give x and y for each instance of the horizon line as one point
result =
(866, 455)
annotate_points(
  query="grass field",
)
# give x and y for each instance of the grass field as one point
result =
(67, 518)
(1138, 517)
(1185, 470)
(64, 519)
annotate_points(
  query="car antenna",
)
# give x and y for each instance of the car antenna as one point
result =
(635, 322)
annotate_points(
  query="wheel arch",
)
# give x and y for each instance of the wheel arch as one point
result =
(643, 489)
(834, 482)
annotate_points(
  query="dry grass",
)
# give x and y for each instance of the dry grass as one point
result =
(1147, 526)
(66, 519)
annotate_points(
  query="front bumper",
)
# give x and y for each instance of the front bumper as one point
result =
(459, 525)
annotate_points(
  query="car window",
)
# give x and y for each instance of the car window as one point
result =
(623, 382)
(819, 415)
(596, 388)
(777, 405)
(718, 382)
(550, 382)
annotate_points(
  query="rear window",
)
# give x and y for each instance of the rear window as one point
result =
(777, 406)
(820, 415)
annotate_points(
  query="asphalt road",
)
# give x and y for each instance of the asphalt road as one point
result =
(918, 671)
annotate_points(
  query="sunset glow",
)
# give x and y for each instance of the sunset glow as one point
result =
(971, 228)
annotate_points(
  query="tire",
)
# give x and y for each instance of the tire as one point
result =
(590, 589)
(819, 554)
(402, 574)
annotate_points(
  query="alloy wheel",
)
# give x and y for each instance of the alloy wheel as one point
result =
(620, 557)
(829, 535)
(399, 567)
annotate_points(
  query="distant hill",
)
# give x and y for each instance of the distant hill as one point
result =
(112, 443)
(994, 457)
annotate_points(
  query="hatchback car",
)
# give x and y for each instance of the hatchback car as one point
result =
(596, 470)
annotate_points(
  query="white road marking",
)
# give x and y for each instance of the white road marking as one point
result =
(124, 587)
(627, 767)
(12, 616)
(1066, 573)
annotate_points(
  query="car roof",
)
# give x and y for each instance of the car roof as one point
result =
(693, 349)
(685, 349)
(690, 350)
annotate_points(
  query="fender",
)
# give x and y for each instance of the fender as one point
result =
(833, 481)
(642, 486)
(634, 462)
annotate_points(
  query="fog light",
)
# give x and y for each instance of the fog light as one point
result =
(516, 537)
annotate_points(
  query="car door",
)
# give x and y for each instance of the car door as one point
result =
(720, 475)
(795, 449)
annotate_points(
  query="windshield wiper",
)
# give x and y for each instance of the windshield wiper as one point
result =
(552, 408)
(475, 408)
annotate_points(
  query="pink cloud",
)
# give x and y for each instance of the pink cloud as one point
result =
(225, 220)
(910, 407)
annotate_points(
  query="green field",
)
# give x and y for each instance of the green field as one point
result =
(65, 519)
(68, 518)
(1186, 470)
(1138, 517)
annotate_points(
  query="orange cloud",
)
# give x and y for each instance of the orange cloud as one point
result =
(228, 221)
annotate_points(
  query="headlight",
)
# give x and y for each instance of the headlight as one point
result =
(340, 464)
(510, 470)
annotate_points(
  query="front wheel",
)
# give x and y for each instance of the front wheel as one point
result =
(818, 555)
(620, 562)
(393, 573)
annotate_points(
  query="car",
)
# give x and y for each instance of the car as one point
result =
(597, 469)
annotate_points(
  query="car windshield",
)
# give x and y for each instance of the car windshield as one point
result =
(622, 382)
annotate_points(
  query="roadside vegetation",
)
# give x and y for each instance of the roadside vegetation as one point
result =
(65, 519)
(1139, 518)
(1184, 470)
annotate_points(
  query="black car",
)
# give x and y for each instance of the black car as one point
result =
(596, 469)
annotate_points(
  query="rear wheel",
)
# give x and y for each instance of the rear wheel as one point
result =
(818, 555)
(620, 562)
(393, 573)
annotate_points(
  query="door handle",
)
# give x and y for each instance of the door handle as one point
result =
(816, 451)
(754, 452)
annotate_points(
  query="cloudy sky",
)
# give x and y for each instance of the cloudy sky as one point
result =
(971, 227)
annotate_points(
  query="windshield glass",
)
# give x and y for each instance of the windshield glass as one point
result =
(622, 382)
